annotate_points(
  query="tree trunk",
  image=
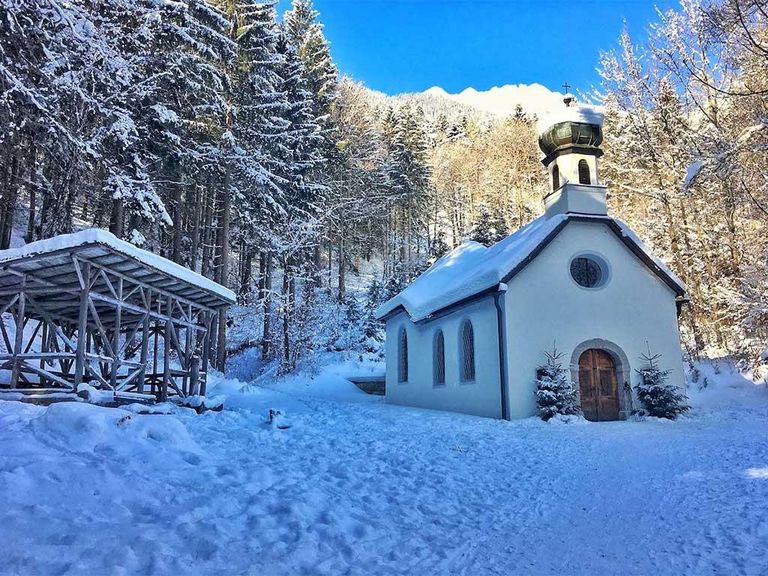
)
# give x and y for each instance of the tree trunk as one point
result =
(44, 211)
(342, 267)
(246, 271)
(9, 203)
(223, 269)
(317, 266)
(266, 296)
(117, 216)
(30, 235)
(286, 324)
(197, 211)
(178, 210)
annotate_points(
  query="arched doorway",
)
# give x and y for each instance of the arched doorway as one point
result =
(598, 385)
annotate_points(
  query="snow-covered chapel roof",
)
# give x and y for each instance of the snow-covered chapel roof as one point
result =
(472, 269)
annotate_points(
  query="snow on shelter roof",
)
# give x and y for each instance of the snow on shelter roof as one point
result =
(107, 250)
(472, 268)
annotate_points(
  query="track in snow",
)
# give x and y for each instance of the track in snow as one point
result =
(359, 487)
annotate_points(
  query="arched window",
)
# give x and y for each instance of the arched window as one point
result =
(584, 177)
(402, 356)
(438, 358)
(555, 178)
(467, 352)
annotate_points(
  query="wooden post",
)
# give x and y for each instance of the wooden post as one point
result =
(116, 336)
(221, 341)
(189, 352)
(19, 336)
(144, 342)
(156, 330)
(166, 352)
(194, 375)
(206, 349)
(82, 324)
(44, 348)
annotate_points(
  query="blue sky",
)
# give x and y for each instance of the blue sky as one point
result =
(410, 45)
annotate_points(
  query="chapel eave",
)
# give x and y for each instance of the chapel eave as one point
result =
(624, 234)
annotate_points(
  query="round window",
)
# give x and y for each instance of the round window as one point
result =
(588, 272)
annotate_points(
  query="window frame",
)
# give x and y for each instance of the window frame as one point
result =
(583, 168)
(467, 345)
(438, 359)
(555, 178)
(605, 270)
(402, 355)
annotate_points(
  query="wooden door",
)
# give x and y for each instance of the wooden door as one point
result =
(598, 386)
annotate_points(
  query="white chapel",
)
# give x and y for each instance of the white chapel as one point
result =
(469, 334)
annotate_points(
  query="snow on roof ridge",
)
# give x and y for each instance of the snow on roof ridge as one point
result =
(99, 236)
(469, 269)
(472, 268)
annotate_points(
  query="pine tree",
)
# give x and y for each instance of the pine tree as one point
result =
(438, 248)
(659, 397)
(489, 226)
(555, 392)
(305, 33)
(375, 297)
(301, 139)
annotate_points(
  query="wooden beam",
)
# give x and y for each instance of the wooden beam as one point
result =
(49, 375)
(162, 288)
(31, 341)
(102, 331)
(19, 335)
(144, 344)
(82, 325)
(6, 338)
(207, 318)
(166, 356)
(49, 318)
(116, 335)
(8, 304)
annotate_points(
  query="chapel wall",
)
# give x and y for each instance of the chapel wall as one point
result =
(482, 397)
(545, 307)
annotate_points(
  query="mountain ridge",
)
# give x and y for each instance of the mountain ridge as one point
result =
(534, 99)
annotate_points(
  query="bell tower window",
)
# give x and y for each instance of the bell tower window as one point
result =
(555, 178)
(584, 177)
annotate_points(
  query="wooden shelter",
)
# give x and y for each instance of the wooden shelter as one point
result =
(88, 308)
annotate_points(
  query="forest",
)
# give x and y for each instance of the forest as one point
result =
(223, 137)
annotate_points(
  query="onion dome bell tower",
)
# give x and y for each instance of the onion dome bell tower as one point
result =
(570, 139)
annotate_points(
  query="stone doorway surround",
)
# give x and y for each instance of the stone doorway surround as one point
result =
(623, 370)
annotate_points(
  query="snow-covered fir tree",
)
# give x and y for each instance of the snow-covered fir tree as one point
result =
(556, 393)
(658, 397)
(305, 33)
(489, 226)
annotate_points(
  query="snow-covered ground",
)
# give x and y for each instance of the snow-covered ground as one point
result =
(356, 486)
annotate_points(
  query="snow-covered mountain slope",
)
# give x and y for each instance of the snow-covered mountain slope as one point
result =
(483, 107)
(534, 99)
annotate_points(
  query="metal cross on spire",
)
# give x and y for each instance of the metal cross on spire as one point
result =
(567, 87)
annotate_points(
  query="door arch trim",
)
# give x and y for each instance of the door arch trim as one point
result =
(620, 361)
